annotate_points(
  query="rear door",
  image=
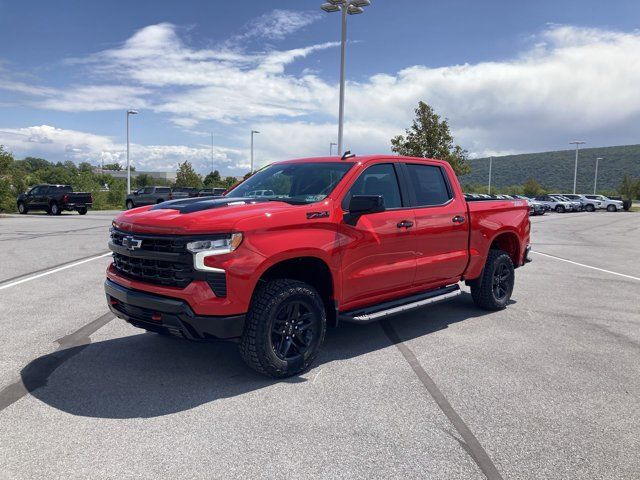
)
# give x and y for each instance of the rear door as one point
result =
(381, 257)
(442, 225)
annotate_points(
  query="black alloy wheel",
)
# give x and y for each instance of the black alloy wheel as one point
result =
(502, 282)
(293, 330)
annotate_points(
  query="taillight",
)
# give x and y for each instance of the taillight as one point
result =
(170, 196)
(65, 199)
(91, 198)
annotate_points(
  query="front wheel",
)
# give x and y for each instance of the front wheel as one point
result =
(492, 291)
(560, 209)
(611, 208)
(590, 208)
(129, 204)
(284, 328)
(22, 208)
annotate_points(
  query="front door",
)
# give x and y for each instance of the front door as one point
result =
(380, 259)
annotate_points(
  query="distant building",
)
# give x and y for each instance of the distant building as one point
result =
(168, 176)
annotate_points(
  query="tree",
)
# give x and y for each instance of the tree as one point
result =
(143, 180)
(531, 188)
(85, 167)
(429, 137)
(213, 179)
(187, 176)
(247, 175)
(113, 166)
(629, 188)
(229, 182)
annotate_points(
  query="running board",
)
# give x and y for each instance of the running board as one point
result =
(381, 310)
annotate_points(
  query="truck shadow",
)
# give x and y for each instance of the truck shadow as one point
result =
(150, 375)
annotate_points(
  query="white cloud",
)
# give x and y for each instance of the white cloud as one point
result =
(50, 142)
(570, 82)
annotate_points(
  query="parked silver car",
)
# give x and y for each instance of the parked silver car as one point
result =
(587, 204)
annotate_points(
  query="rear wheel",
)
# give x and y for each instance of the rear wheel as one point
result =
(54, 209)
(611, 208)
(284, 328)
(492, 291)
(590, 208)
(560, 209)
(22, 208)
(129, 204)
(82, 210)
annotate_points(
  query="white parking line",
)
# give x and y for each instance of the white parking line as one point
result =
(586, 266)
(55, 270)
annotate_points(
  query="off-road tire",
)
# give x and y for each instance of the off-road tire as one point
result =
(82, 211)
(22, 208)
(255, 344)
(482, 289)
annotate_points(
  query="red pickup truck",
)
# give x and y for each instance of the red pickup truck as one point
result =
(304, 244)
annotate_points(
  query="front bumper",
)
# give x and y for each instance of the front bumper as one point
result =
(169, 315)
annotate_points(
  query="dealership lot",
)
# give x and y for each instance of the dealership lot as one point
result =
(548, 388)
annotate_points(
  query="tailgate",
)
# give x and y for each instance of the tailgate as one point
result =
(79, 197)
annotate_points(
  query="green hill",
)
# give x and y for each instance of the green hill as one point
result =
(554, 170)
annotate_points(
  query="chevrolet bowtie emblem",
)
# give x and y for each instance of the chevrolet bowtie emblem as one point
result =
(131, 243)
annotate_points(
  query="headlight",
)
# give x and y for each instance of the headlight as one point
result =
(216, 247)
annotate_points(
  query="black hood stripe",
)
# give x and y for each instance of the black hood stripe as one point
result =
(190, 205)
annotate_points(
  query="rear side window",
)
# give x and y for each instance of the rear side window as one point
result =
(429, 184)
(379, 179)
(163, 190)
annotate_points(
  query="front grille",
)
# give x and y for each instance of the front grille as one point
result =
(162, 260)
(159, 272)
(153, 243)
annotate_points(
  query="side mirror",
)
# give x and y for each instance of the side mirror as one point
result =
(363, 204)
(135, 193)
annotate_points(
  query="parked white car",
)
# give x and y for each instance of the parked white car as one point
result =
(556, 204)
(610, 205)
(576, 206)
(587, 204)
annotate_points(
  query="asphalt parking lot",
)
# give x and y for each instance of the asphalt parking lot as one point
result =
(548, 388)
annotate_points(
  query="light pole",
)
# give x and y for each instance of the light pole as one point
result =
(129, 112)
(331, 148)
(252, 132)
(346, 7)
(490, 164)
(595, 178)
(212, 153)
(577, 143)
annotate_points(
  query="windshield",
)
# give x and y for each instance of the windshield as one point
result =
(293, 182)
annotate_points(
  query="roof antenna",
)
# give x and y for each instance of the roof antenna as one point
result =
(348, 154)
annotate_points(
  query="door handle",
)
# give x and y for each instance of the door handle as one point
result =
(405, 224)
(458, 219)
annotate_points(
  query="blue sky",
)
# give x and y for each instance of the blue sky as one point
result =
(510, 76)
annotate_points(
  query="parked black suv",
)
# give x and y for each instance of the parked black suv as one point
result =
(54, 199)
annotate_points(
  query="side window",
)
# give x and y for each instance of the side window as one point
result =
(147, 190)
(379, 179)
(36, 191)
(429, 184)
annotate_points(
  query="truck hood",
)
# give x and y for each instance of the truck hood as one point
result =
(196, 215)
